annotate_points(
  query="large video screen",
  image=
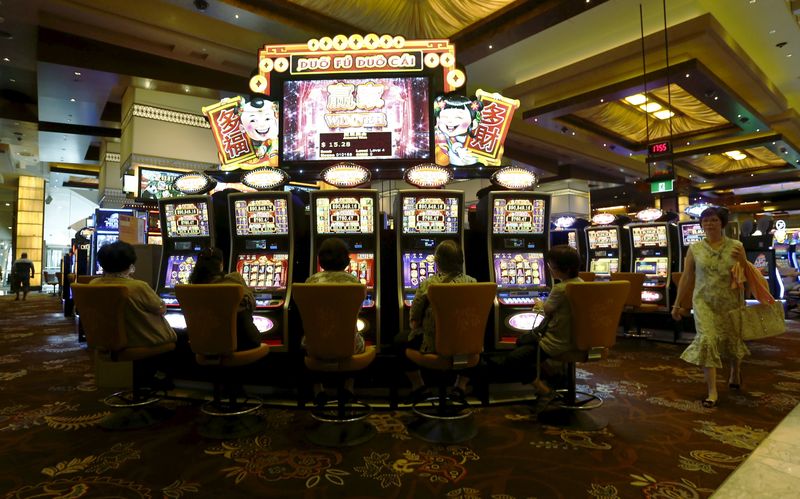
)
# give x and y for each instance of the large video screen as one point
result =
(518, 216)
(108, 220)
(179, 268)
(653, 235)
(255, 217)
(362, 266)
(652, 266)
(416, 268)
(691, 233)
(602, 239)
(363, 119)
(187, 219)
(430, 215)
(158, 184)
(264, 270)
(519, 270)
(345, 215)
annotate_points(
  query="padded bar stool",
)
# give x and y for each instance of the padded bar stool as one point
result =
(596, 310)
(461, 312)
(102, 312)
(329, 312)
(210, 313)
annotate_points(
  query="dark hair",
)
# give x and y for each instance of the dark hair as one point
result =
(334, 254)
(717, 211)
(208, 266)
(449, 257)
(116, 256)
(565, 259)
(24, 255)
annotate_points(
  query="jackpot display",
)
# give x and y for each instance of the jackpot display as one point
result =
(518, 216)
(690, 233)
(345, 215)
(189, 219)
(255, 217)
(430, 215)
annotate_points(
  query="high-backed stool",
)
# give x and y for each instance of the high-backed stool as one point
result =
(596, 310)
(587, 276)
(102, 309)
(460, 312)
(210, 313)
(686, 304)
(633, 303)
(329, 312)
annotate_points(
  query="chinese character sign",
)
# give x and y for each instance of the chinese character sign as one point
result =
(486, 142)
(457, 118)
(246, 132)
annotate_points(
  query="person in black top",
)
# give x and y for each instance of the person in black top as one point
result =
(22, 272)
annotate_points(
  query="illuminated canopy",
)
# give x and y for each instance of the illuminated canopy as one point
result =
(515, 178)
(428, 175)
(346, 175)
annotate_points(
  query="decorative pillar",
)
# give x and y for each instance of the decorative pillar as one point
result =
(29, 234)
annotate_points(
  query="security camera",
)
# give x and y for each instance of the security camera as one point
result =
(201, 5)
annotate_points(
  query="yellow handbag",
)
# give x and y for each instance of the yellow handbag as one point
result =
(763, 320)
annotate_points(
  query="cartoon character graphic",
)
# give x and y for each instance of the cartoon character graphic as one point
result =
(260, 122)
(456, 117)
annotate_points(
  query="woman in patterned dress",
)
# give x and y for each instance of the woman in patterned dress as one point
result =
(708, 264)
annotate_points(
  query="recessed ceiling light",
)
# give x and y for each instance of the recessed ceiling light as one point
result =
(236, 16)
(636, 99)
(186, 90)
(8, 204)
(77, 73)
(664, 114)
(72, 99)
(788, 55)
(491, 47)
(735, 155)
(772, 32)
(12, 80)
(6, 59)
(9, 228)
(716, 97)
(687, 75)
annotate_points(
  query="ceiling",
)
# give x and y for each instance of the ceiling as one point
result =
(69, 61)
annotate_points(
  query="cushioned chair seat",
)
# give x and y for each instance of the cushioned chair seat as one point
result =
(138, 353)
(355, 362)
(233, 359)
(441, 362)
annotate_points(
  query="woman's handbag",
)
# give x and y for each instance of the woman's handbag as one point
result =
(763, 320)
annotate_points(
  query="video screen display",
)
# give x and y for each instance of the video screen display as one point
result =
(518, 216)
(362, 266)
(652, 266)
(655, 235)
(264, 270)
(602, 239)
(340, 119)
(179, 268)
(416, 268)
(345, 215)
(691, 233)
(604, 265)
(155, 239)
(761, 263)
(187, 219)
(572, 239)
(108, 220)
(519, 270)
(158, 184)
(255, 217)
(102, 240)
(430, 215)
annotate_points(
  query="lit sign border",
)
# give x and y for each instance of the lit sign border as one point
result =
(603, 219)
(649, 214)
(328, 174)
(416, 175)
(188, 177)
(530, 184)
(280, 178)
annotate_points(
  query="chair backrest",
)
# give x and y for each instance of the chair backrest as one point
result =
(329, 312)
(676, 280)
(210, 313)
(635, 291)
(59, 278)
(86, 279)
(596, 310)
(587, 276)
(102, 313)
(461, 312)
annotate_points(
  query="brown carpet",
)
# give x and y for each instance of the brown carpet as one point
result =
(660, 442)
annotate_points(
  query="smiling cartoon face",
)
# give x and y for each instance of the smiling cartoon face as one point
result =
(260, 123)
(454, 121)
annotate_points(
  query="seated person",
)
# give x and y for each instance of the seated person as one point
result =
(208, 270)
(449, 263)
(334, 257)
(556, 338)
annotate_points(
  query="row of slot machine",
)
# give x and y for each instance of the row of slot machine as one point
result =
(262, 247)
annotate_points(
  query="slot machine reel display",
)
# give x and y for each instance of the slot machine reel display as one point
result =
(605, 251)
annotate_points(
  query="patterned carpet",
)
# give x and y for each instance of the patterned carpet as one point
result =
(660, 443)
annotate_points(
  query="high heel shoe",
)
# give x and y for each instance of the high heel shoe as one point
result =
(736, 386)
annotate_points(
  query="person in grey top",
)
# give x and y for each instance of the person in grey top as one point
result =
(22, 272)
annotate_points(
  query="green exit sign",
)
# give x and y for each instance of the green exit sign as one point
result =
(661, 186)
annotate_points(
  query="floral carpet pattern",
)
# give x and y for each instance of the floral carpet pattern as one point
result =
(660, 441)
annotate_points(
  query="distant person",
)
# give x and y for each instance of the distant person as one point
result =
(449, 264)
(708, 265)
(554, 337)
(208, 270)
(334, 257)
(22, 272)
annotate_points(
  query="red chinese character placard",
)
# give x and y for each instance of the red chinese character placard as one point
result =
(486, 143)
(233, 144)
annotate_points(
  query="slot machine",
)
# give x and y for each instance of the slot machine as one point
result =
(106, 230)
(784, 255)
(760, 253)
(423, 219)
(153, 227)
(518, 242)
(352, 215)
(186, 228)
(606, 248)
(652, 254)
(690, 233)
(262, 251)
(569, 230)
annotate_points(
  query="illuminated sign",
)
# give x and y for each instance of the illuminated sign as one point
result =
(265, 178)
(603, 219)
(486, 142)
(649, 214)
(515, 178)
(659, 148)
(661, 186)
(346, 175)
(696, 210)
(428, 175)
(194, 183)
(226, 125)
(246, 132)
(564, 222)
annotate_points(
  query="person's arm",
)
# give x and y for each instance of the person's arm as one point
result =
(683, 287)
(555, 299)
(738, 253)
(33, 271)
(149, 299)
(248, 299)
(418, 306)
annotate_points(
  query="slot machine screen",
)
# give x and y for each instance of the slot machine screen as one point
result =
(691, 233)
(652, 266)
(519, 270)
(255, 217)
(362, 266)
(572, 239)
(518, 216)
(416, 268)
(345, 215)
(155, 239)
(604, 265)
(153, 221)
(102, 240)
(654, 235)
(179, 267)
(602, 239)
(187, 219)
(430, 215)
(264, 270)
